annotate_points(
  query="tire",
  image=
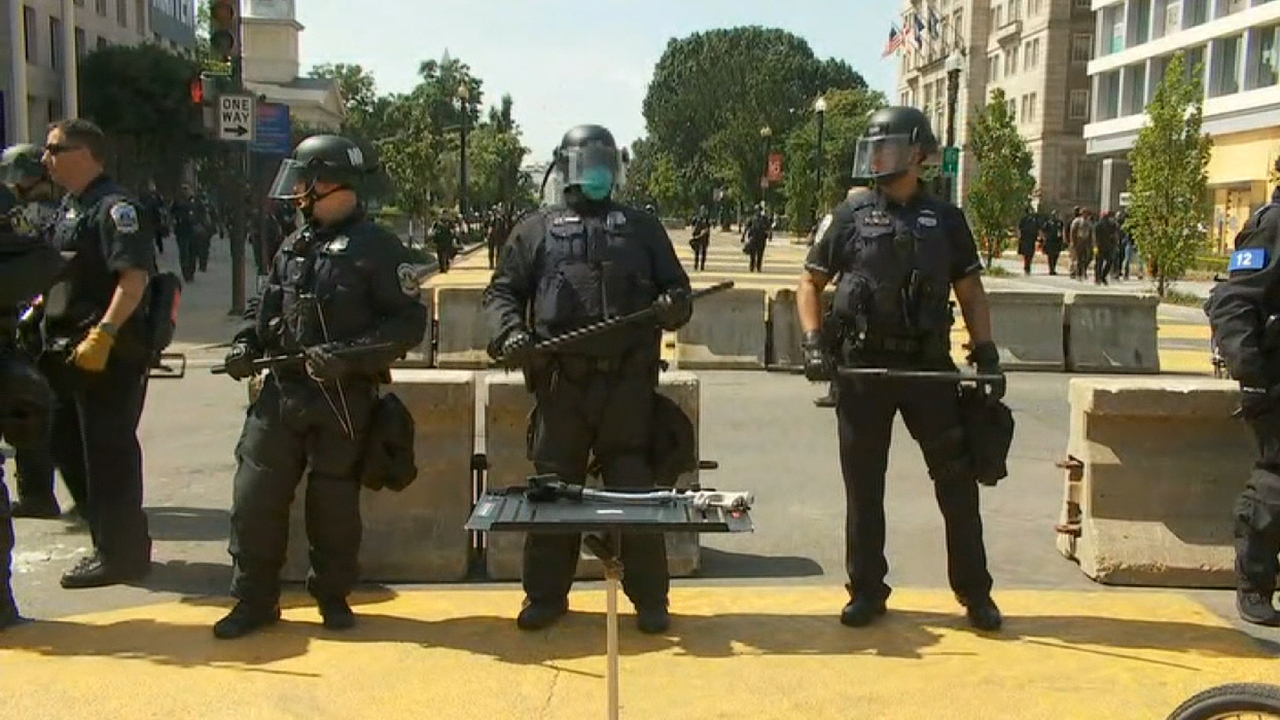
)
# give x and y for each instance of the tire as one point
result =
(1225, 700)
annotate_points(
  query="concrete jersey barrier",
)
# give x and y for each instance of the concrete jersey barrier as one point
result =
(1028, 329)
(726, 332)
(416, 535)
(1112, 333)
(1154, 466)
(507, 409)
(462, 333)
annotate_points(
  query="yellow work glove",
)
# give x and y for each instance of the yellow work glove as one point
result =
(91, 354)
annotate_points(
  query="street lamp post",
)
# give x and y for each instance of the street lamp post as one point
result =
(464, 97)
(820, 107)
(955, 63)
(766, 133)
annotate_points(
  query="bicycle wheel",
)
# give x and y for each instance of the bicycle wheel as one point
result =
(1247, 701)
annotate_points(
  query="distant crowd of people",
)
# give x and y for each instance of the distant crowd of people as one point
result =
(1100, 243)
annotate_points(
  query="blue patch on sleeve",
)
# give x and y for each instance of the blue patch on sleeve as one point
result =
(1248, 259)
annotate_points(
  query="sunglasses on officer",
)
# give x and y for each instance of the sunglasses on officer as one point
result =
(60, 148)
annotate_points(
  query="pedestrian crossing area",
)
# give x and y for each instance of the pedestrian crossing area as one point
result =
(1183, 343)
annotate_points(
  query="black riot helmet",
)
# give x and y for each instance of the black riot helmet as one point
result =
(321, 158)
(588, 158)
(888, 147)
(20, 165)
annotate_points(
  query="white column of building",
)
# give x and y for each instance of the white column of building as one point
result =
(1243, 79)
(20, 126)
(70, 71)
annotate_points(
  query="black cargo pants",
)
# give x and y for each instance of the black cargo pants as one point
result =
(1257, 512)
(865, 412)
(6, 545)
(292, 426)
(606, 412)
(95, 445)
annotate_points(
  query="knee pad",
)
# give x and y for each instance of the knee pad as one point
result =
(946, 456)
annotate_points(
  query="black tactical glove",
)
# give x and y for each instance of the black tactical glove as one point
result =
(986, 357)
(239, 361)
(673, 309)
(817, 368)
(323, 364)
(517, 347)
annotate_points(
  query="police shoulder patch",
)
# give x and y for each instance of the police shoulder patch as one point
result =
(409, 277)
(1248, 259)
(124, 217)
(824, 226)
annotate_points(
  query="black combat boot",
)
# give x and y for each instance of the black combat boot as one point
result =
(96, 571)
(245, 619)
(653, 619)
(983, 614)
(828, 400)
(8, 609)
(862, 611)
(1255, 607)
(336, 613)
(541, 614)
(37, 508)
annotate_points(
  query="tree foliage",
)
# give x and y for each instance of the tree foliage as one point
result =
(1001, 193)
(140, 96)
(843, 122)
(711, 94)
(1169, 204)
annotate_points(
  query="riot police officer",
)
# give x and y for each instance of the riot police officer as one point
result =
(564, 267)
(98, 352)
(898, 252)
(1245, 317)
(338, 284)
(33, 216)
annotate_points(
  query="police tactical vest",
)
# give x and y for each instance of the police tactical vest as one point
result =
(324, 294)
(897, 280)
(591, 269)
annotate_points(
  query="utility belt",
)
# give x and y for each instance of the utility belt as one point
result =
(849, 344)
(550, 368)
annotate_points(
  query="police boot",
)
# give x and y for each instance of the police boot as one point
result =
(96, 571)
(8, 609)
(541, 614)
(40, 509)
(983, 614)
(336, 613)
(245, 619)
(1255, 607)
(828, 400)
(862, 610)
(653, 620)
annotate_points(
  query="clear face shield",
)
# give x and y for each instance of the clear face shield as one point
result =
(593, 168)
(292, 183)
(884, 156)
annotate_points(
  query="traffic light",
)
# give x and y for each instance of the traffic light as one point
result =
(224, 29)
(197, 90)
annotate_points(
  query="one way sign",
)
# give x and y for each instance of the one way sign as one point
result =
(236, 118)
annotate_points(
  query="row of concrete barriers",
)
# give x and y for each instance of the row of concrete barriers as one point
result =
(751, 329)
(418, 535)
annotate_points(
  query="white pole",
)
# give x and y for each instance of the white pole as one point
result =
(70, 73)
(20, 131)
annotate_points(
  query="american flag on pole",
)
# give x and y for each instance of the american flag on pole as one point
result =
(894, 42)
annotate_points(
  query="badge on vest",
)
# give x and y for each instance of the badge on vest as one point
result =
(925, 221)
(410, 277)
(1248, 259)
(124, 217)
(566, 219)
(616, 218)
(879, 218)
(337, 244)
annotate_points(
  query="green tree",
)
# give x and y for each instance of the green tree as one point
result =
(359, 96)
(843, 123)
(140, 96)
(713, 91)
(1000, 194)
(1170, 204)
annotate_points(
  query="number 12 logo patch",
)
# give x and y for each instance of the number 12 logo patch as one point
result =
(1248, 259)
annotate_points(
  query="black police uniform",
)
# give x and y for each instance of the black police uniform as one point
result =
(897, 263)
(571, 267)
(1241, 312)
(96, 415)
(349, 284)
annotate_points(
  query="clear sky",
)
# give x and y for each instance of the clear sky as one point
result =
(570, 63)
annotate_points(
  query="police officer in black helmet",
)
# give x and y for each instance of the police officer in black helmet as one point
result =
(899, 252)
(339, 281)
(565, 267)
(1244, 312)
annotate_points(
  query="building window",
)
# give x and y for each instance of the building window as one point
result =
(1194, 61)
(1035, 8)
(1228, 7)
(1168, 17)
(1031, 54)
(1135, 89)
(997, 16)
(1033, 109)
(1264, 57)
(29, 32)
(1109, 95)
(1015, 10)
(1194, 12)
(1111, 29)
(1011, 62)
(81, 48)
(101, 7)
(1013, 109)
(1139, 22)
(103, 44)
(1084, 4)
(141, 11)
(957, 22)
(55, 43)
(993, 67)
(1081, 47)
(122, 12)
(1078, 108)
(1226, 67)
